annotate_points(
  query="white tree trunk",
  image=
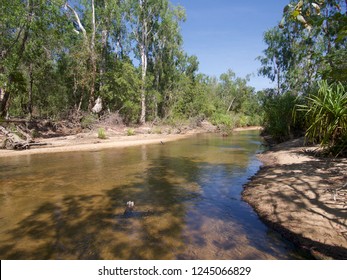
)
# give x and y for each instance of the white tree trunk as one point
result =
(93, 58)
(104, 37)
(80, 25)
(143, 86)
(144, 53)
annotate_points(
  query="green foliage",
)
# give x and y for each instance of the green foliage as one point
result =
(222, 119)
(130, 132)
(334, 67)
(51, 63)
(121, 90)
(326, 115)
(102, 133)
(276, 57)
(309, 45)
(312, 14)
(278, 115)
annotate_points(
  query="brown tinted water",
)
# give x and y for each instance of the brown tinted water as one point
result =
(187, 198)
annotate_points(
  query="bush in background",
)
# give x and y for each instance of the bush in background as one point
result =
(279, 118)
(101, 133)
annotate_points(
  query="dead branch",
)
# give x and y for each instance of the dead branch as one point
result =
(13, 141)
(77, 19)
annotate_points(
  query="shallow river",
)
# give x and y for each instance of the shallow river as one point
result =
(187, 198)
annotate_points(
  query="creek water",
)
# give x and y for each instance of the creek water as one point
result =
(187, 197)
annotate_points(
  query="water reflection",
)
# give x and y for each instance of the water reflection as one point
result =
(186, 193)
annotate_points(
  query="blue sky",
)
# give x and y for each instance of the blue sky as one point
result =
(227, 34)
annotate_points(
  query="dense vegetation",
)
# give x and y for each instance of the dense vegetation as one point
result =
(306, 57)
(62, 57)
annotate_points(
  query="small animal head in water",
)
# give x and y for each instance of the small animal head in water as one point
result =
(130, 205)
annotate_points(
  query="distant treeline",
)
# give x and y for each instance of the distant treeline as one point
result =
(59, 57)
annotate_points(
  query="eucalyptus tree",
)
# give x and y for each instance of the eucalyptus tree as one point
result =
(143, 15)
(166, 53)
(276, 57)
(30, 41)
(232, 91)
(189, 87)
(111, 34)
(148, 18)
(88, 34)
(330, 14)
(325, 22)
(14, 28)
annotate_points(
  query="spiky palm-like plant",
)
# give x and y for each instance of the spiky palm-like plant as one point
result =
(326, 115)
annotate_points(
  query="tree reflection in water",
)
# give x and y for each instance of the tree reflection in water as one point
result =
(186, 193)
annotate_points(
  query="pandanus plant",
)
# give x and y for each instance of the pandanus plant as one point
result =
(326, 115)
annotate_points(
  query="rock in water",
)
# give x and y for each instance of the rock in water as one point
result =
(129, 209)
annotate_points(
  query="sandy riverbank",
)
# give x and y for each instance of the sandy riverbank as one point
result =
(293, 193)
(115, 139)
(85, 142)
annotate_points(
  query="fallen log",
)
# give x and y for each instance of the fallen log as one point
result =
(13, 141)
(36, 144)
(21, 130)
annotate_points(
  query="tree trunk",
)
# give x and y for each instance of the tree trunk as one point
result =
(104, 39)
(80, 25)
(93, 59)
(104, 36)
(143, 85)
(278, 76)
(144, 54)
(30, 95)
(231, 104)
(156, 107)
(91, 50)
(4, 98)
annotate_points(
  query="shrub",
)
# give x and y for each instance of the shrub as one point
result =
(102, 133)
(245, 120)
(326, 116)
(279, 117)
(88, 121)
(221, 119)
(130, 132)
(157, 130)
(224, 122)
(196, 121)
